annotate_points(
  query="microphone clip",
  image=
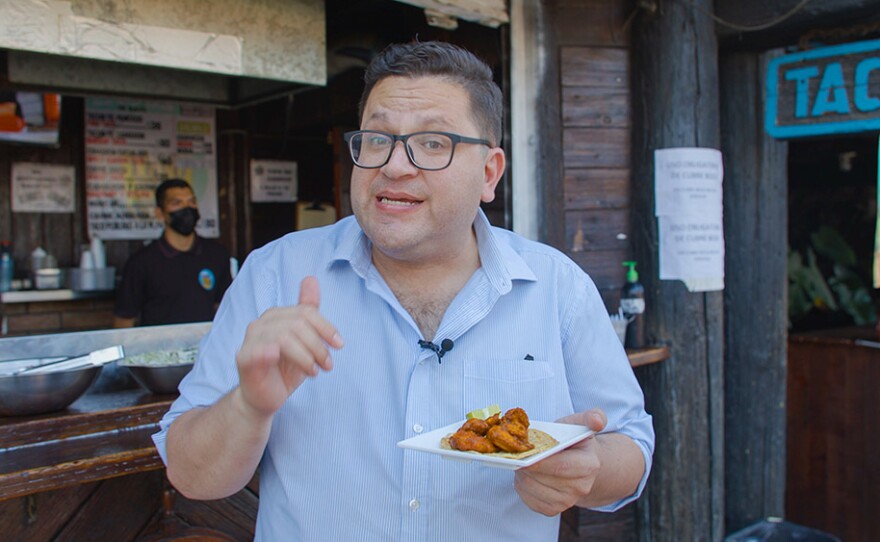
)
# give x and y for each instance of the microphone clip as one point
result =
(445, 346)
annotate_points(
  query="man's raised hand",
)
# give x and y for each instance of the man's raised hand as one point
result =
(282, 348)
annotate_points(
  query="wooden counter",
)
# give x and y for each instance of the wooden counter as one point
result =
(833, 475)
(31, 312)
(91, 472)
(38, 296)
(104, 435)
(100, 436)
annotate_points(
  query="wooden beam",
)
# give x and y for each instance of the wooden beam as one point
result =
(675, 89)
(755, 312)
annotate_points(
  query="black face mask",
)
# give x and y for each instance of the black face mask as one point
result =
(183, 221)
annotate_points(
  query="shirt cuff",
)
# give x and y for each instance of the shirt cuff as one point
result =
(613, 507)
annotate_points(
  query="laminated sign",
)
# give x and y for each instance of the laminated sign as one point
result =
(273, 181)
(687, 185)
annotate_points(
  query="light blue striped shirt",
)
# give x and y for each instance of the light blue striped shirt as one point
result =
(332, 470)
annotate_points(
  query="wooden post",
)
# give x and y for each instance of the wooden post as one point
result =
(675, 104)
(755, 311)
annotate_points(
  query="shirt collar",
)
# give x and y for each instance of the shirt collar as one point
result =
(501, 263)
(169, 251)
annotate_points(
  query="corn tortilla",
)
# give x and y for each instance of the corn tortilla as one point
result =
(540, 439)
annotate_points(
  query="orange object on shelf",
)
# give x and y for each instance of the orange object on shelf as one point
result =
(51, 108)
(9, 121)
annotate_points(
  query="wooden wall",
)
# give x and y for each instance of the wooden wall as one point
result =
(596, 159)
(586, 173)
(57, 316)
(585, 138)
(60, 234)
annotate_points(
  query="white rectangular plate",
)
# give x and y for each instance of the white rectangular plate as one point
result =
(566, 434)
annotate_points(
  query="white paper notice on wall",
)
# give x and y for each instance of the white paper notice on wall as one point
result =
(688, 196)
(273, 181)
(43, 188)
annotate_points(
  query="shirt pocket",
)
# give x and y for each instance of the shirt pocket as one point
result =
(528, 384)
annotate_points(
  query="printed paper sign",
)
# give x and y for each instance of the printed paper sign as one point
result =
(691, 248)
(273, 180)
(688, 196)
(688, 181)
(43, 188)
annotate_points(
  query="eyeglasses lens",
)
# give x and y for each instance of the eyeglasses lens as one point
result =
(428, 150)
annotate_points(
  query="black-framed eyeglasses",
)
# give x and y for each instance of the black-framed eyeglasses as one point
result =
(431, 151)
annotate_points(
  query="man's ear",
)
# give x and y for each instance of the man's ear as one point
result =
(160, 216)
(493, 170)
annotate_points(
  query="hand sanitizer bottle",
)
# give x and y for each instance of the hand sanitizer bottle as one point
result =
(632, 302)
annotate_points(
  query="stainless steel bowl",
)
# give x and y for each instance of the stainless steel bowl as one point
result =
(162, 379)
(29, 394)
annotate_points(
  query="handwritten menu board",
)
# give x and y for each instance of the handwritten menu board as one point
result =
(132, 146)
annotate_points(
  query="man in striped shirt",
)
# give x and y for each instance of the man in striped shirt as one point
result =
(316, 364)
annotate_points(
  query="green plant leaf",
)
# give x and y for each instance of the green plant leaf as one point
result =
(833, 246)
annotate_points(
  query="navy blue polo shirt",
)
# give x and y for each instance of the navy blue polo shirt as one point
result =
(161, 285)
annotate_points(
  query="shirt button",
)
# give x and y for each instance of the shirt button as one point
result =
(418, 428)
(414, 505)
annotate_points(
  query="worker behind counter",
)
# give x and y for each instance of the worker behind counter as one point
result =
(178, 278)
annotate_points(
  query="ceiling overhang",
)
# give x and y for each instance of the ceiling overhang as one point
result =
(768, 24)
(174, 48)
(444, 13)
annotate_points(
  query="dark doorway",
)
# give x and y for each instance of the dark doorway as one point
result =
(832, 220)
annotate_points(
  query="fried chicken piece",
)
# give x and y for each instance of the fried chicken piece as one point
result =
(516, 422)
(517, 430)
(517, 415)
(503, 439)
(494, 419)
(468, 441)
(475, 425)
(511, 434)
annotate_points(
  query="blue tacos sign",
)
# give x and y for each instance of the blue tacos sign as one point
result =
(832, 90)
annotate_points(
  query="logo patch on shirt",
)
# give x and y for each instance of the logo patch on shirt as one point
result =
(206, 279)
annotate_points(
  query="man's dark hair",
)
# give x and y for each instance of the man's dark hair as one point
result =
(165, 185)
(437, 58)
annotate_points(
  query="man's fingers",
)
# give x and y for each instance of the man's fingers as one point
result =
(594, 419)
(539, 496)
(310, 292)
(306, 347)
(310, 295)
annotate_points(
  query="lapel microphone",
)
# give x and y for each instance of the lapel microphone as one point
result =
(446, 345)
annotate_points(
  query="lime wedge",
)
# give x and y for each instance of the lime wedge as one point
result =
(483, 413)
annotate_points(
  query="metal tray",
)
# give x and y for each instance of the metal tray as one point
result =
(15, 351)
